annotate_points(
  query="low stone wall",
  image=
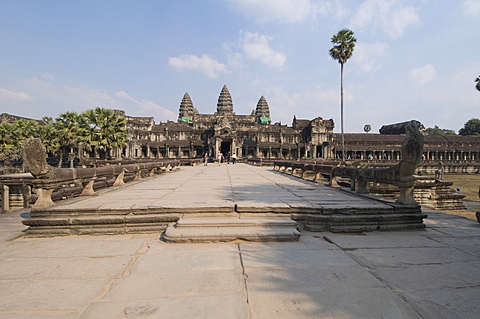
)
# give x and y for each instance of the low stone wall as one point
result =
(449, 167)
(427, 191)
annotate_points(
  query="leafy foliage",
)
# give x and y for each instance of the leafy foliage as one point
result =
(12, 136)
(102, 129)
(343, 45)
(440, 131)
(99, 128)
(472, 127)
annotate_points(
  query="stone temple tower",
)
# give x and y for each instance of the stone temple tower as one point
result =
(225, 104)
(263, 111)
(187, 110)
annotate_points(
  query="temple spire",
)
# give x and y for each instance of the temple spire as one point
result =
(186, 110)
(225, 104)
(263, 112)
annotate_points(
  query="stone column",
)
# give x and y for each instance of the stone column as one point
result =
(406, 196)
(5, 198)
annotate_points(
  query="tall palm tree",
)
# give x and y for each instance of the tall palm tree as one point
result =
(103, 129)
(343, 45)
(68, 132)
(8, 142)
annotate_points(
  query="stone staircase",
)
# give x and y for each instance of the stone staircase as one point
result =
(208, 228)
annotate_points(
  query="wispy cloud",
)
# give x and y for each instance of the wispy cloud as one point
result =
(388, 16)
(6, 94)
(204, 64)
(283, 11)
(287, 11)
(424, 74)
(471, 8)
(369, 56)
(257, 47)
(47, 76)
(147, 107)
(63, 97)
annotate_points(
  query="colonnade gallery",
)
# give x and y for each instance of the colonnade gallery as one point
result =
(254, 136)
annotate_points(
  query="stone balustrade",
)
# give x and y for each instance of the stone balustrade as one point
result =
(400, 175)
(47, 179)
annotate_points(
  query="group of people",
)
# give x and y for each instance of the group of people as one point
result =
(221, 158)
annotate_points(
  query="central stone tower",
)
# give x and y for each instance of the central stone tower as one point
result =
(225, 104)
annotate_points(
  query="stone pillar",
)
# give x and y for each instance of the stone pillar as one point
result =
(44, 199)
(362, 187)
(406, 196)
(5, 198)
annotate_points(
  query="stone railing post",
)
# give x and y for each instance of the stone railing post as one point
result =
(44, 199)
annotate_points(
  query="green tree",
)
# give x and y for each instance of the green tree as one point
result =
(69, 132)
(367, 128)
(102, 130)
(440, 131)
(342, 50)
(472, 127)
(49, 137)
(12, 136)
(8, 148)
(478, 83)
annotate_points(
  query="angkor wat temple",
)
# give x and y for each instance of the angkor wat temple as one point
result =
(254, 136)
(247, 136)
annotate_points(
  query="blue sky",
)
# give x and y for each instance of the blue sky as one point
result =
(413, 59)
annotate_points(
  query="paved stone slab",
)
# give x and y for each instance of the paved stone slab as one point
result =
(446, 303)
(415, 274)
(170, 284)
(62, 268)
(230, 306)
(89, 246)
(306, 242)
(396, 257)
(378, 239)
(52, 294)
(290, 258)
(414, 278)
(187, 261)
(344, 303)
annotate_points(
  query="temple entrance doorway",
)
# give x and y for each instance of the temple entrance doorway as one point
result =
(225, 148)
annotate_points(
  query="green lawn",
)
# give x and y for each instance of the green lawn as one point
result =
(468, 185)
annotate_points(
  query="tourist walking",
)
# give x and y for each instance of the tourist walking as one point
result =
(205, 157)
(234, 160)
(219, 158)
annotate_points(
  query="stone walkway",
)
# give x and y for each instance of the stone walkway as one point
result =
(413, 274)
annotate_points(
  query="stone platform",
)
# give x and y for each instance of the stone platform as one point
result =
(248, 191)
(433, 273)
(229, 227)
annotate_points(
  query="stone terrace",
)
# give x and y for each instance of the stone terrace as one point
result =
(431, 273)
(236, 191)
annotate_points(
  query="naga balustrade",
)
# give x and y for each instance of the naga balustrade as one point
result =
(48, 178)
(400, 175)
